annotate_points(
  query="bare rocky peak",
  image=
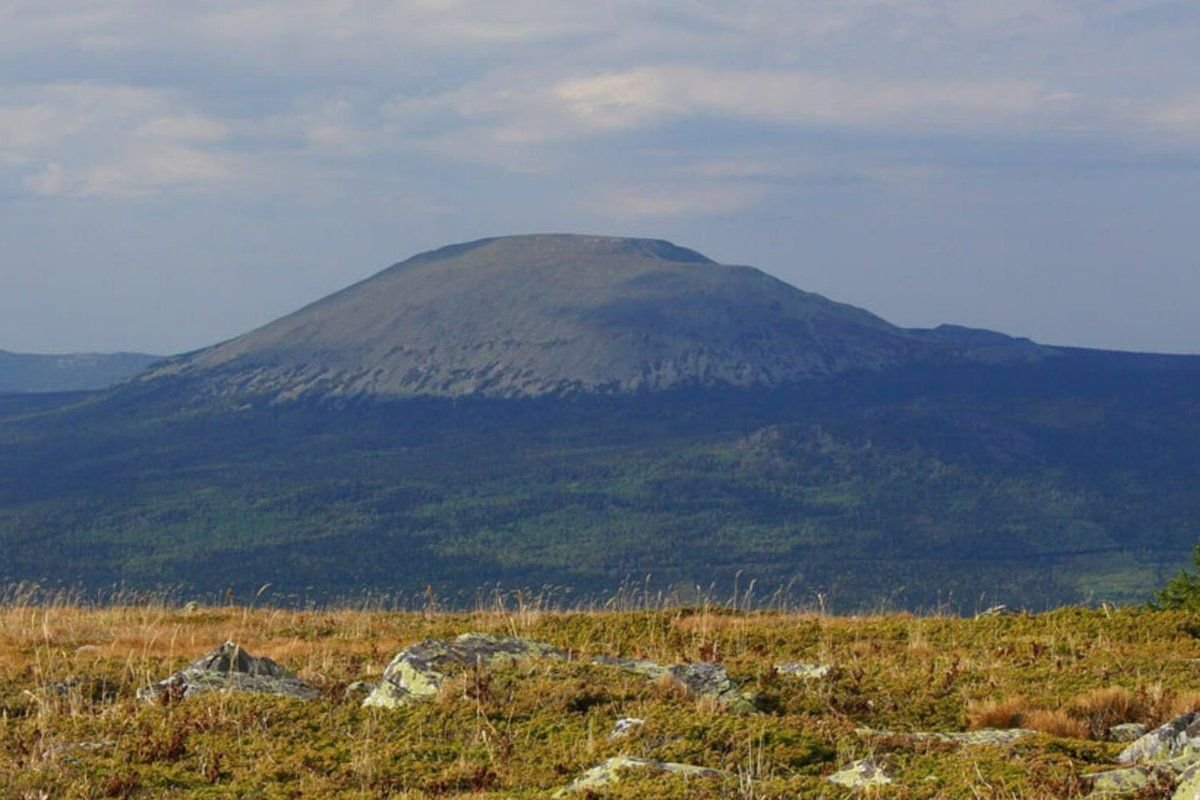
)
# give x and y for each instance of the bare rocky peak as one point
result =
(549, 314)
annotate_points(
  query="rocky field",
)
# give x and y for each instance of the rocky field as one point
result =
(156, 700)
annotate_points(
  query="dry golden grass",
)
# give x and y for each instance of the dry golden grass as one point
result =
(522, 732)
(1007, 713)
(1100, 709)
(1056, 722)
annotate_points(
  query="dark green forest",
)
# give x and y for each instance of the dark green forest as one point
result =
(953, 488)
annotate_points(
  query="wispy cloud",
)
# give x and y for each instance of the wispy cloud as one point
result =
(647, 95)
(680, 200)
(96, 140)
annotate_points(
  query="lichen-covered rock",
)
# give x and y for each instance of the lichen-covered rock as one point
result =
(417, 672)
(698, 679)
(610, 772)
(1177, 738)
(865, 773)
(808, 672)
(1126, 781)
(986, 736)
(357, 689)
(1187, 785)
(983, 736)
(228, 668)
(1127, 732)
(625, 726)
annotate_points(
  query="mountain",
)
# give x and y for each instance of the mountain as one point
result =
(71, 372)
(587, 414)
(525, 316)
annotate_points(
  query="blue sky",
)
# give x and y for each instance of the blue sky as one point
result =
(174, 174)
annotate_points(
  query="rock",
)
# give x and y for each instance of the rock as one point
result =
(417, 672)
(358, 689)
(808, 672)
(1187, 786)
(1127, 781)
(625, 726)
(82, 687)
(865, 773)
(984, 736)
(1126, 732)
(610, 771)
(699, 679)
(1179, 737)
(67, 751)
(228, 668)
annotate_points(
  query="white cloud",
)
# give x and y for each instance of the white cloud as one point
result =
(1178, 117)
(188, 128)
(682, 200)
(98, 140)
(633, 98)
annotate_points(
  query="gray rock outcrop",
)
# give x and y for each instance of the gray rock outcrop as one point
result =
(417, 672)
(1177, 738)
(228, 668)
(698, 679)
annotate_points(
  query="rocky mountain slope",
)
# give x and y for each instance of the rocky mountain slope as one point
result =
(525, 316)
(69, 372)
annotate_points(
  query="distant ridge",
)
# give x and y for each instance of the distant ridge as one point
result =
(554, 314)
(69, 372)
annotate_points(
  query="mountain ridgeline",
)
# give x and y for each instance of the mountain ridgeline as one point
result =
(68, 372)
(580, 412)
(528, 316)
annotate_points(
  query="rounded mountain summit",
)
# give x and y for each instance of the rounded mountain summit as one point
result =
(523, 316)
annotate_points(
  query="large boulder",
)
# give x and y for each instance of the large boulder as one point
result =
(1179, 738)
(417, 672)
(228, 668)
(698, 679)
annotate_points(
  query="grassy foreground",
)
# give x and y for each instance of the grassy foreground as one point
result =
(528, 730)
